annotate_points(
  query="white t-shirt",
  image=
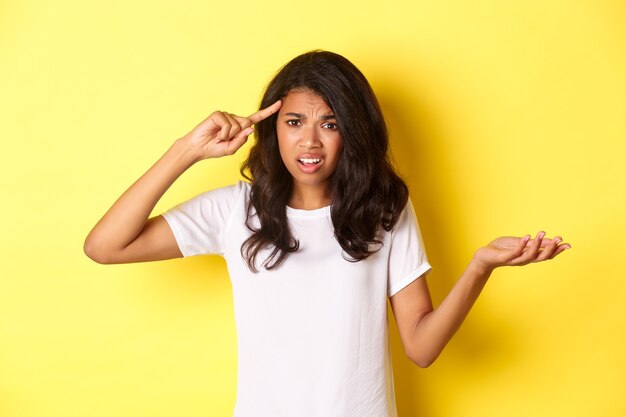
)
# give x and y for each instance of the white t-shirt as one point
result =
(313, 333)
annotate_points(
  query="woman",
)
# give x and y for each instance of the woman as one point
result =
(317, 241)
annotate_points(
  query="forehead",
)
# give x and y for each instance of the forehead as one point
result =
(305, 99)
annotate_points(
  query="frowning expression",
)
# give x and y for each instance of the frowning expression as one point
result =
(308, 139)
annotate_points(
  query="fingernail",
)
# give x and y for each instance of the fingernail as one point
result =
(540, 235)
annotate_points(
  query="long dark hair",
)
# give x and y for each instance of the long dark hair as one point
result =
(366, 192)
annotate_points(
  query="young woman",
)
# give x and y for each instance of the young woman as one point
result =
(317, 240)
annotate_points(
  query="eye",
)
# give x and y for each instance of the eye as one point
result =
(293, 122)
(330, 125)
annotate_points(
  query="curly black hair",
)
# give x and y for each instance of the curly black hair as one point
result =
(366, 192)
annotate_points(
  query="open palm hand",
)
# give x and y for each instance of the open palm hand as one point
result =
(515, 251)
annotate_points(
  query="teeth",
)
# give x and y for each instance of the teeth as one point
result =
(310, 161)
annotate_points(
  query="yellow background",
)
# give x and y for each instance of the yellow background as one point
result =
(506, 118)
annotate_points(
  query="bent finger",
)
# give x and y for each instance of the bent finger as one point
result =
(560, 249)
(532, 249)
(235, 126)
(519, 248)
(513, 256)
(548, 247)
(238, 141)
(220, 119)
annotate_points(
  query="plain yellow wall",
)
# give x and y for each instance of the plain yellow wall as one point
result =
(506, 118)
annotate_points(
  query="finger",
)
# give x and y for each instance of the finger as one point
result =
(235, 127)
(238, 141)
(513, 257)
(536, 245)
(545, 242)
(223, 123)
(548, 247)
(244, 122)
(265, 113)
(521, 245)
(531, 250)
(560, 249)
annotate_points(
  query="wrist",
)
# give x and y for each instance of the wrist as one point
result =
(184, 152)
(479, 269)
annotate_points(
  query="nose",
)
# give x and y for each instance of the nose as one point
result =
(310, 138)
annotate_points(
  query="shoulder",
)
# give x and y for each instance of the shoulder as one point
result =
(406, 218)
(227, 194)
(238, 188)
(223, 199)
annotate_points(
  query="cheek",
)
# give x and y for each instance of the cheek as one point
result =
(285, 136)
(337, 147)
(285, 149)
(282, 142)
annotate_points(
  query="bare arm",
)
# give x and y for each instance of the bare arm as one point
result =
(125, 233)
(426, 331)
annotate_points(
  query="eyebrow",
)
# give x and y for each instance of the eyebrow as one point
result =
(302, 116)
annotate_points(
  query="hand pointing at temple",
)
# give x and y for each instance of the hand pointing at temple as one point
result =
(224, 133)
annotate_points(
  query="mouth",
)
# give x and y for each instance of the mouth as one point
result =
(309, 161)
(310, 165)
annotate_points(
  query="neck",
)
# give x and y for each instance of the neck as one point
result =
(309, 197)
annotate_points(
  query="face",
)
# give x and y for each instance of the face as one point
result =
(308, 139)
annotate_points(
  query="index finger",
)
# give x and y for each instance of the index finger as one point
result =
(265, 113)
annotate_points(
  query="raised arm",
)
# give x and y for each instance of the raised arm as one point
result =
(126, 233)
(426, 331)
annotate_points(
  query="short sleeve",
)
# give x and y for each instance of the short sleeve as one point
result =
(407, 257)
(200, 224)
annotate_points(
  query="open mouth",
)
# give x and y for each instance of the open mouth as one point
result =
(310, 165)
(309, 161)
